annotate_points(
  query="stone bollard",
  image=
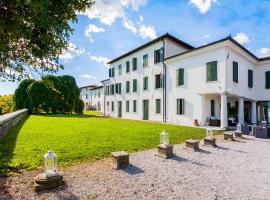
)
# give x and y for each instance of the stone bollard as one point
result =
(238, 134)
(228, 136)
(44, 182)
(165, 150)
(192, 144)
(210, 141)
(120, 159)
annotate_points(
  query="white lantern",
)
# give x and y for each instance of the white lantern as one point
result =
(50, 160)
(209, 132)
(164, 138)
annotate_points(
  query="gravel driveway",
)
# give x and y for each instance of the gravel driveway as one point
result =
(234, 170)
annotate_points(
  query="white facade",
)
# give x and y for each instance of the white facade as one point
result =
(201, 99)
(93, 97)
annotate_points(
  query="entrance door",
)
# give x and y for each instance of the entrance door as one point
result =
(145, 109)
(119, 108)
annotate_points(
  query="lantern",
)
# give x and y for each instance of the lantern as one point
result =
(209, 132)
(50, 160)
(164, 138)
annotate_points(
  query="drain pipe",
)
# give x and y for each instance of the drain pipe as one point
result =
(164, 85)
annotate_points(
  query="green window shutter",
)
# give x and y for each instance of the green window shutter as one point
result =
(211, 71)
(214, 71)
(250, 78)
(145, 83)
(158, 104)
(235, 72)
(127, 87)
(161, 54)
(134, 64)
(178, 106)
(145, 60)
(267, 80)
(110, 72)
(120, 90)
(127, 67)
(212, 108)
(112, 106)
(208, 72)
(134, 106)
(181, 77)
(127, 106)
(134, 85)
(116, 88)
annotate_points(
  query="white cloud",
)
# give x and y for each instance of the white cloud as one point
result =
(135, 4)
(202, 5)
(71, 51)
(141, 18)
(129, 25)
(264, 52)
(147, 32)
(88, 76)
(91, 28)
(100, 59)
(206, 36)
(242, 38)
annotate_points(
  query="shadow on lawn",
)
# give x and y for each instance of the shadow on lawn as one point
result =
(64, 115)
(7, 146)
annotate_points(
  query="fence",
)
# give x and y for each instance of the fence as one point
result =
(9, 120)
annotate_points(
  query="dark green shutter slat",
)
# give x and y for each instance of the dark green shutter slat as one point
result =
(267, 80)
(235, 72)
(250, 78)
(181, 76)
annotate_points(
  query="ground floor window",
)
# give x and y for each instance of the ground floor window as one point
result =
(134, 106)
(112, 106)
(127, 106)
(212, 108)
(180, 106)
(158, 105)
(263, 111)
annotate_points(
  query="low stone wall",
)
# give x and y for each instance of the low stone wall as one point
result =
(9, 120)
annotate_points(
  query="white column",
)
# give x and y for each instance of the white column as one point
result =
(203, 114)
(241, 111)
(253, 112)
(223, 113)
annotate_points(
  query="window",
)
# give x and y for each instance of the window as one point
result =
(116, 88)
(180, 77)
(180, 106)
(134, 64)
(250, 78)
(127, 106)
(108, 106)
(119, 70)
(145, 60)
(159, 55)
(127, 86)
(134, 106)
(127, 67)
(235, 72)
(145, 83)
(98, 94)
(267, 80)
(212, 108)
(119, 88)
(158, 80)
(112, 106)
(211, 71)
(112, 75)
(158, 101)
(110, 72)
(112, 89)
(86, 96)
(134, 85)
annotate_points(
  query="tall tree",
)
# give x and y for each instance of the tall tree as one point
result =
(33, 33)
(21, 97)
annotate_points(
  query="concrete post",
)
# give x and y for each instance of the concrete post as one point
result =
(253, 112)
(241, 111)
(224, 111)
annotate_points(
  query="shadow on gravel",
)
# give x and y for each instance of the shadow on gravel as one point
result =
(222, 148)
(203, 151)
(132, 170)
(181, 159)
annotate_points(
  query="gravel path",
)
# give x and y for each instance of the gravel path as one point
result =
(234, 170)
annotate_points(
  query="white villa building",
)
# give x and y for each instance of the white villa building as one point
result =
(168, 80)
(93, 97)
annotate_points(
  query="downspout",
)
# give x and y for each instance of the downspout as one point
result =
(164, 86)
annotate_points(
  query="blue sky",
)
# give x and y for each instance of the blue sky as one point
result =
(113, 27)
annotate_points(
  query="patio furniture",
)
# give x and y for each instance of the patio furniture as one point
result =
(214, 122)
(261, 132)
(244, 128)
(120, 159)
(192, 144)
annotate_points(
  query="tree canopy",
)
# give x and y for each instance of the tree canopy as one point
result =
(33, 33)
(55, 94)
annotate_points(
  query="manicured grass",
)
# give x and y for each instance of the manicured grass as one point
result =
(76, 138)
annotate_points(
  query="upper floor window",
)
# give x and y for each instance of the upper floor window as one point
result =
(250, 78)
(211, 71)
(86, 96)
(119, 70)
(235, 72)
(118, 88)
(180, 77)
(134, 64)
(145, 83)
(180, 106)
(111, 72)
(127, 106)
(267, 80)
(145, 60)
(159, 55)
(158, 105)
(127, 67)
(134, 85)
(127, 86)
(112, 89)
(134, 106)
(112, 106)
(158, 81)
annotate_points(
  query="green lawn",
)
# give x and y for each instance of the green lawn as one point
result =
(77, 138)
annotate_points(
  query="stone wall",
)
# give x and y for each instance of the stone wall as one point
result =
(9, 120)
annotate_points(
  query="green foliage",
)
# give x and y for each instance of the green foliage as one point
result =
(76, 138)
(79, 107)
(34, 33)
(56, 94)
(6, 104)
